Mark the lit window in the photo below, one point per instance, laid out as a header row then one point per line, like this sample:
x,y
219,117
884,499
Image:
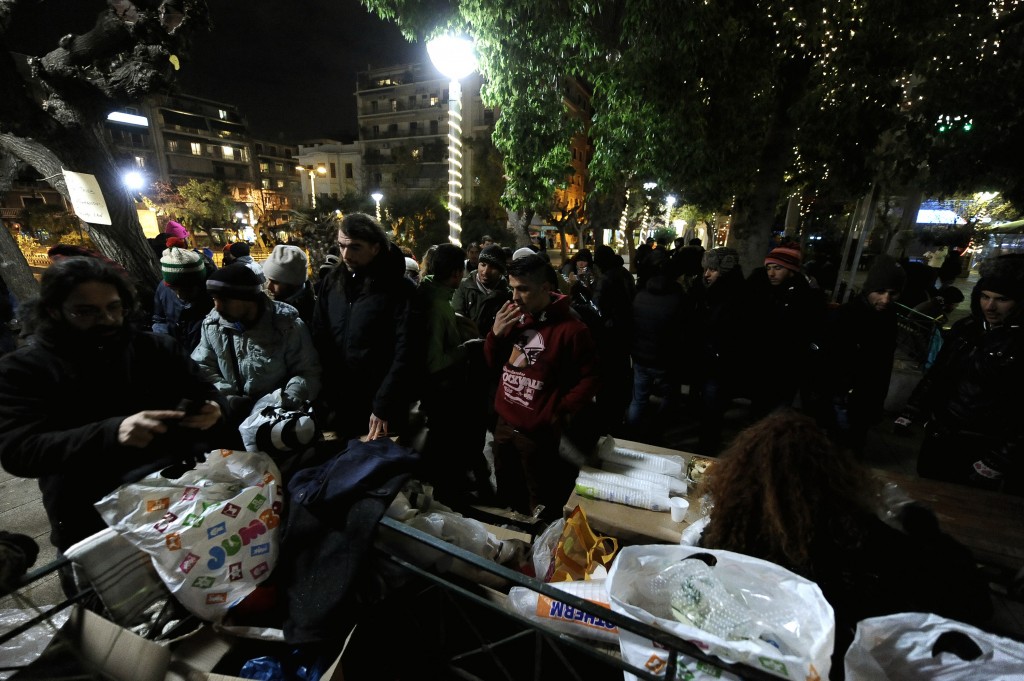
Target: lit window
x,y
279,167
197,149
140,161
265,183
416,154
280,184
434,100
172,145
227,152
223,114
264,167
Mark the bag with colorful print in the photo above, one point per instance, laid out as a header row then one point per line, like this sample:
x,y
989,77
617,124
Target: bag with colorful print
x,y
212,534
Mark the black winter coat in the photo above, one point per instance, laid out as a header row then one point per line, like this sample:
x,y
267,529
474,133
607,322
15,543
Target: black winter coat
x,y
61,405
661,315
361,328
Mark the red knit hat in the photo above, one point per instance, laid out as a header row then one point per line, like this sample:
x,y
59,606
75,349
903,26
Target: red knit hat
x,y
785,256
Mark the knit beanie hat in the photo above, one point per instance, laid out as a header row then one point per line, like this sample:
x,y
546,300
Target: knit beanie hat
x,y
235,281
176,229
286,264
1003,274
885,275
785,256
411,266
722,259
182,266
494,255
239,249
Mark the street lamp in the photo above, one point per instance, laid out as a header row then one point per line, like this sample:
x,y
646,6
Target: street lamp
x,y
133,180
377,196
312,181
454,58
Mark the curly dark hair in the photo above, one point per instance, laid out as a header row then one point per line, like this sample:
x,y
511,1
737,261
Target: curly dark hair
x,y
779,486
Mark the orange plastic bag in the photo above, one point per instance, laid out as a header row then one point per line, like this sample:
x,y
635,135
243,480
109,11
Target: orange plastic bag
x,y
580,552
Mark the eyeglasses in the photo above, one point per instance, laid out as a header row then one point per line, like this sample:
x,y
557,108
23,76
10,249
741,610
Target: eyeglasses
x,y
92,313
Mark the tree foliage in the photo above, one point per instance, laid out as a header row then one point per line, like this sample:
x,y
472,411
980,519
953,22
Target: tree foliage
x,y
744,104
55,105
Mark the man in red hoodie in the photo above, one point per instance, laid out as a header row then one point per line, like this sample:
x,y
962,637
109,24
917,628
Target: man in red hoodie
x,y
548,374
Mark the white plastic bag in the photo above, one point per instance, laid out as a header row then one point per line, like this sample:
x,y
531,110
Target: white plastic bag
x,y
796,644
920,646
212,534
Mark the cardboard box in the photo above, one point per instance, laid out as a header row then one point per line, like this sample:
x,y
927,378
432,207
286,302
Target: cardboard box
x,y
632,525
99,646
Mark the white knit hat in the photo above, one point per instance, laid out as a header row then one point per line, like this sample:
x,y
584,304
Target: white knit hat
x,y
286,264
523,252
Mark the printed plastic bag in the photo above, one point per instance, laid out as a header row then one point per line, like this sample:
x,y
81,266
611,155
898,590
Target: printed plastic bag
x,y
279,431
562,617
212,534
742,610
580,553
917,645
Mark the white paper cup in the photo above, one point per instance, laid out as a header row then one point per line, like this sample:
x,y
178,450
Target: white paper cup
x,y
678,507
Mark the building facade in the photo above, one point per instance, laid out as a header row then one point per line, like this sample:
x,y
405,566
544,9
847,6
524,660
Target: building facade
x,y
402,111
330,167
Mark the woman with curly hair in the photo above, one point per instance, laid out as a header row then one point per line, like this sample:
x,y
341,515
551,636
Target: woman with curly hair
x,y
784,493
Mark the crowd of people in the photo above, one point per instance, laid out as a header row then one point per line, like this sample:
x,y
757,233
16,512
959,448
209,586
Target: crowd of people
x,y
491,340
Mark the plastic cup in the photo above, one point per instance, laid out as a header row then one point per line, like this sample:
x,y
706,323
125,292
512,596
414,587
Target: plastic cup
x,y
678,506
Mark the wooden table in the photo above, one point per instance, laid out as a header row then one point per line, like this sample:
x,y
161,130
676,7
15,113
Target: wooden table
x,y
990,524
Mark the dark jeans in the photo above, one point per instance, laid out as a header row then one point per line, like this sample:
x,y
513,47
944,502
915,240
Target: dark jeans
x,y
530,471
649,381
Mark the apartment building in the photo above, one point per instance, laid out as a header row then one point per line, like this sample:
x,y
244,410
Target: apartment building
x,y
402,111
279,188
330,168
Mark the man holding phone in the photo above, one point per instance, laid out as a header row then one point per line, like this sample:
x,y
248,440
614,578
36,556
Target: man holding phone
x,y
89,403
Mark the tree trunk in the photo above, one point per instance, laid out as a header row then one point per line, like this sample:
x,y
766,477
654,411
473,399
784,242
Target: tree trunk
x,y
15,269
519,226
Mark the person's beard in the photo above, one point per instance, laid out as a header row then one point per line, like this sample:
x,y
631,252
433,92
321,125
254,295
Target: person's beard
x,y
98,337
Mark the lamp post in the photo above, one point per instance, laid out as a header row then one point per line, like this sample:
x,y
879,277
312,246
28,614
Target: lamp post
x,y
454,58
312,181
377,196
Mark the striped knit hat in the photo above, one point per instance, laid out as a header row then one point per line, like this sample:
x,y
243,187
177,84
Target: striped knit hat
x,y
181,266
235,281
785,256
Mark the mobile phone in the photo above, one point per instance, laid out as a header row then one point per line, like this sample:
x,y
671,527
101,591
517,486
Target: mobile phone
x,y
190,407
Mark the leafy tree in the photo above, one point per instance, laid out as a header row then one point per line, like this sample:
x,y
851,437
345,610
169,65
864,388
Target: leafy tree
x,y
205,204
54,108
744,104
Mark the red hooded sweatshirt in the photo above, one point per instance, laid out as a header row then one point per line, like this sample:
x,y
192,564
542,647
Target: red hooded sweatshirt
x,y
548,367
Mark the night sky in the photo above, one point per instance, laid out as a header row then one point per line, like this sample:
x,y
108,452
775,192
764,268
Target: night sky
x,y
289,65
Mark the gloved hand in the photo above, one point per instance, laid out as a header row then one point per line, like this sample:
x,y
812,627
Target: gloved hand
x,y
290,403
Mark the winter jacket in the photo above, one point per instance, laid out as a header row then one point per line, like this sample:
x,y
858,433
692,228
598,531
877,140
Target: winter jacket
x,y
61,405
361,330
660,320
304,301
548,368
276,352
721,321
974,387
182,321
859,344
444,349
479,304
254,266
613,296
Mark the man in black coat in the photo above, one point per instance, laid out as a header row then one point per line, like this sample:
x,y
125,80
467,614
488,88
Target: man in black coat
x,y
361,328
787,315
89,403
971,398
860,345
